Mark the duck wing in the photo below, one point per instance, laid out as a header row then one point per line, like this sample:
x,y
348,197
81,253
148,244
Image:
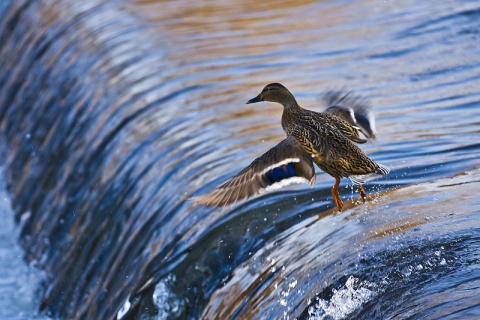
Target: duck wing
x,y
284,164
353,109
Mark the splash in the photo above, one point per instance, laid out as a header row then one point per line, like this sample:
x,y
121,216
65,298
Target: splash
x,y
19,282
165,300
344,301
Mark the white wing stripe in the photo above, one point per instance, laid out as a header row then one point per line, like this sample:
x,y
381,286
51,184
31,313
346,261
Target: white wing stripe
x,y
283,183
279,164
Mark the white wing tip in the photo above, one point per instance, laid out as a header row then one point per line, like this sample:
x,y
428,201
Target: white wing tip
x,y
383,170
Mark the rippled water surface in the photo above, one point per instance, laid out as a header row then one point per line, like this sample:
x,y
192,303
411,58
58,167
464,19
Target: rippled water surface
x,y
114,113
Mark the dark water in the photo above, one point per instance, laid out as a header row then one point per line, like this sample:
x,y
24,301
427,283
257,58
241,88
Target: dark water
x,y
114,113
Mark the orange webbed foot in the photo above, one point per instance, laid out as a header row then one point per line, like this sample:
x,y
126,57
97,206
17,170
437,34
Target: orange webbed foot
x,y
363,194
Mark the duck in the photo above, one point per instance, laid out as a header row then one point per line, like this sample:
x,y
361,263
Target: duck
x,y
327,139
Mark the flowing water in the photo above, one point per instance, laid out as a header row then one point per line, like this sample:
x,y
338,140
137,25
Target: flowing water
x,y
114,113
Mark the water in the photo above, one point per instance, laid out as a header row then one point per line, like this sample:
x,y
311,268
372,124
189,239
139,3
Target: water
x,y
18,295
115,113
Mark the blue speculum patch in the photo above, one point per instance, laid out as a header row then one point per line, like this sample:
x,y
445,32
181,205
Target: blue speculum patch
x,y
280,173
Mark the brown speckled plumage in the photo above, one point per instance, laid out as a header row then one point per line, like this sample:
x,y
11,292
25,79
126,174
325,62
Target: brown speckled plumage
x,y
327,138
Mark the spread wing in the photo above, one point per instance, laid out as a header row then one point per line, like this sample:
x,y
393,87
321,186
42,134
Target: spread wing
x,y
353,109
284,164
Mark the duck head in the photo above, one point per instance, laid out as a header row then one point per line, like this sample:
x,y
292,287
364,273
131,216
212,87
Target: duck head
x,y
275,92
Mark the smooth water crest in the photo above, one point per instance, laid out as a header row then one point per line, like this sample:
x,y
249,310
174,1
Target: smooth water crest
x,y
115,113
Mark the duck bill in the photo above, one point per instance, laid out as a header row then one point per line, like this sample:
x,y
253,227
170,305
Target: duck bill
x,y
254,100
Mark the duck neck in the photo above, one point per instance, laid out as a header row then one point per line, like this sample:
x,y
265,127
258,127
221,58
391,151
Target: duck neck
x,y
289,103
291,110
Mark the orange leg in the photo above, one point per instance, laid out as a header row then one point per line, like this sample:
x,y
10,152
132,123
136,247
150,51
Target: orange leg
x,y
336,194
363,194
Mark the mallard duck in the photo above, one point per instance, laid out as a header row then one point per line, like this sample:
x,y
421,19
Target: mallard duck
x,y
324,138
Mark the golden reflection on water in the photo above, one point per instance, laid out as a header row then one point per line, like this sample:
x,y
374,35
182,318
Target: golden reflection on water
x,y
239,28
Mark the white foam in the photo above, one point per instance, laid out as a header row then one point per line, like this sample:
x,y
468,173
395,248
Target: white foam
x,y
344,301
124,309
18,281
168,304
